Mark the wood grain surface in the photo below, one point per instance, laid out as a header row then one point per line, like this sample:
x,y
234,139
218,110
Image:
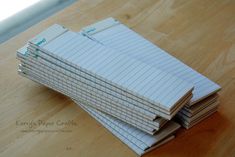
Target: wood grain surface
x,y
201,33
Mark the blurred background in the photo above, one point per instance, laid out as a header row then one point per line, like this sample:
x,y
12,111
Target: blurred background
x,y
18,15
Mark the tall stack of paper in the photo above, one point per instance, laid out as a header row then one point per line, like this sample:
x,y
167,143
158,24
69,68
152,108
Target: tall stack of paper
x,y
129,85
115,35
116,84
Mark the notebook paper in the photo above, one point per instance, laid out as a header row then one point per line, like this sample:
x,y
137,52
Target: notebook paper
x,y
124,40
39,70
117,70
32,66
45,60
155,111
116,35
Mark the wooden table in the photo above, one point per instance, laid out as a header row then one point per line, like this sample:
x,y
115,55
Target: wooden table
x,y
201,33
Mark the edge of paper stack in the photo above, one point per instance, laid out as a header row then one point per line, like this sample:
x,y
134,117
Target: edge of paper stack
x,y
132,87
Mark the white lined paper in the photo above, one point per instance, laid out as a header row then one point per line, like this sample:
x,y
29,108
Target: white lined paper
x,y
106,73
125,90
126,41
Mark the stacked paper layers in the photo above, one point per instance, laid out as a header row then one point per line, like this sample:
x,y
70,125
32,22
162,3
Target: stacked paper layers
x,y
42,67
41,71
139,141
115,35
125,82
116,84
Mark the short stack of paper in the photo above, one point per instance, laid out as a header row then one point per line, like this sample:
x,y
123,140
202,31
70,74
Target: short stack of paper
x,y
115,35
129,85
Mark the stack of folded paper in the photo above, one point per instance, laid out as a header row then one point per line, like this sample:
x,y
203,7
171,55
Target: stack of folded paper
x,y
129,85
